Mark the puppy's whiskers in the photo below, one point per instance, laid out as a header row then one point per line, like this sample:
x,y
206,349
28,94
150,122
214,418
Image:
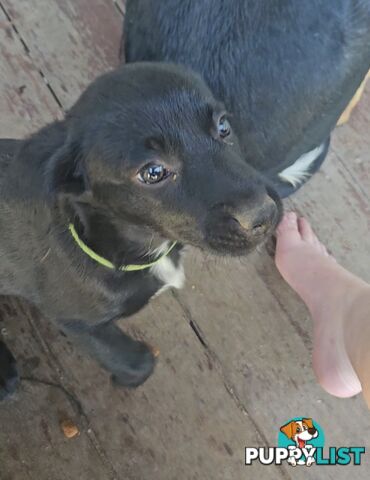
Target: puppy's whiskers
x,y
150,247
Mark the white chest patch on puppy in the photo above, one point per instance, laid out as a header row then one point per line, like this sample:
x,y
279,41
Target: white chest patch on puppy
x,y
167,272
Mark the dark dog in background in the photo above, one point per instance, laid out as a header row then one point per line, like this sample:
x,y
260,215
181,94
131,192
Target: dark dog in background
x,y
91,207
285,69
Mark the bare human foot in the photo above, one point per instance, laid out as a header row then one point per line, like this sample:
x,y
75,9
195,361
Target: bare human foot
x,y
330,293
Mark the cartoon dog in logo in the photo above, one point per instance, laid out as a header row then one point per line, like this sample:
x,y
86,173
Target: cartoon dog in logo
x,y
301,432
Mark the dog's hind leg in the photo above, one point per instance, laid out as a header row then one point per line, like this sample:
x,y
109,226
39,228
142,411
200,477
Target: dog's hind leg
x,y
9,378
130,362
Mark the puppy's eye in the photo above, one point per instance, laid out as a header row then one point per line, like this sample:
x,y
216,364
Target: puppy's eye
x,y
223,127
298,430
152,173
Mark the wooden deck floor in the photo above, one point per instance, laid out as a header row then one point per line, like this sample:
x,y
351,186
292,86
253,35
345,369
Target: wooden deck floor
x,y
235,343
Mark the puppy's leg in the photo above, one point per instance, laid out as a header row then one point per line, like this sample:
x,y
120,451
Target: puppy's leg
x,y
9,378
130,362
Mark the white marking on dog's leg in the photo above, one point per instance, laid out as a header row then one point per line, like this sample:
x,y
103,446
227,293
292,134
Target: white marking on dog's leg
x,y
298,172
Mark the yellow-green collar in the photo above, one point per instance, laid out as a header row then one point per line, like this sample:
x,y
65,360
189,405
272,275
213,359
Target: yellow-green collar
x,y
106,263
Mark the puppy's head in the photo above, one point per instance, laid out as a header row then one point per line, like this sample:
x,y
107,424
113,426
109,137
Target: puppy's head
x,y
150,144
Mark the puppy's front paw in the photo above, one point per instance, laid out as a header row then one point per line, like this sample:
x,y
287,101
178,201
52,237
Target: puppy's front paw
x,y
9,378
138,367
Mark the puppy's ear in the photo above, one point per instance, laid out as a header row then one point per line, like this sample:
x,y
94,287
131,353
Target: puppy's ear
x,y
288,429
66,171
308,422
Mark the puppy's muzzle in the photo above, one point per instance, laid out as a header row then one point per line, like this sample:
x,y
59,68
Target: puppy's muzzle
x,y
237,229
258,223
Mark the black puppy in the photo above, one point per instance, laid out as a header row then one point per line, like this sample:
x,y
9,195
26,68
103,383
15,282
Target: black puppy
x,y
94,210
285,69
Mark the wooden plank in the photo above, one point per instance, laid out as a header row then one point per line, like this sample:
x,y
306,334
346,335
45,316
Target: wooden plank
x,y
121,4
352,144
183,423
340,213
25,101
70,42
266,361
259,332
32,445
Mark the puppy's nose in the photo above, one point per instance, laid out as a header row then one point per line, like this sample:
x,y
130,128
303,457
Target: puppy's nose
x,y
312,431
260,220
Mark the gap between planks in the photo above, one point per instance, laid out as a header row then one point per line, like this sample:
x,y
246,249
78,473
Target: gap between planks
x,y
211,354
29,55
120,6
68,391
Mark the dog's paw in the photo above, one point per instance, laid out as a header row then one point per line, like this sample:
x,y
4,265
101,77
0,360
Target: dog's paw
x,y
138,369
9,378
